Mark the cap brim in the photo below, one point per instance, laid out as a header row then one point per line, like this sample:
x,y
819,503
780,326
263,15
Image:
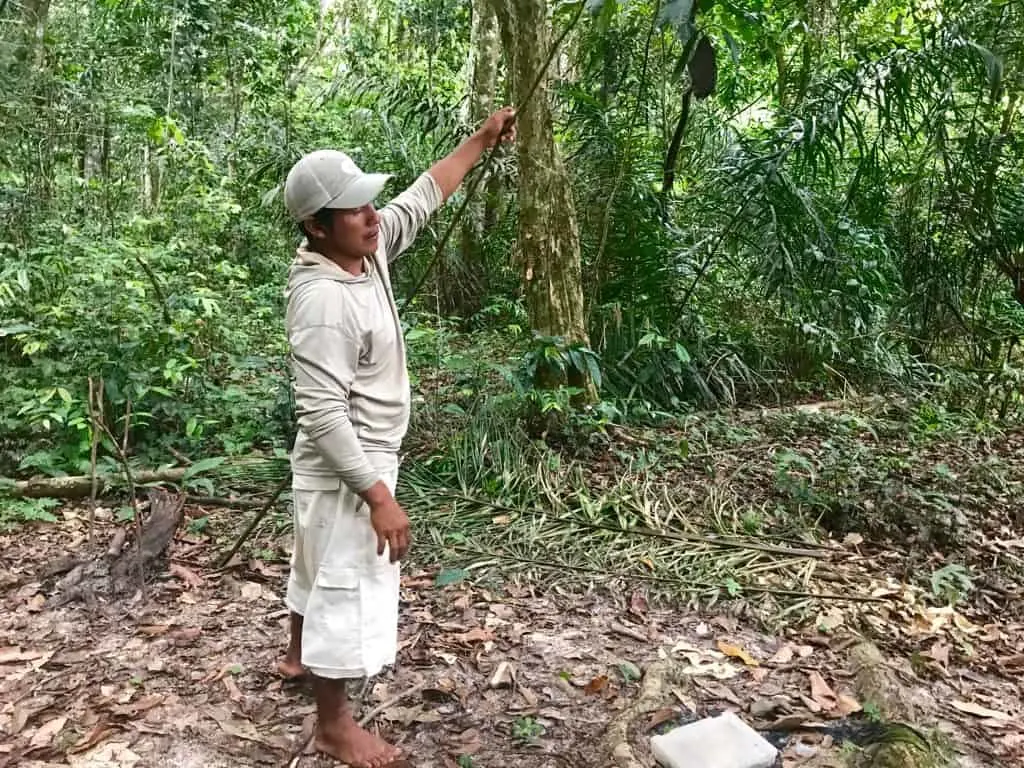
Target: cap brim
x,y
360,192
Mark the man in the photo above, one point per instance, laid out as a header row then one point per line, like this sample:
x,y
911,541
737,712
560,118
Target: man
x,y
352,403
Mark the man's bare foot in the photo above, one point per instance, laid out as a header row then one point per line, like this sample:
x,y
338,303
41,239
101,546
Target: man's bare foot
x,y
290,669
347,742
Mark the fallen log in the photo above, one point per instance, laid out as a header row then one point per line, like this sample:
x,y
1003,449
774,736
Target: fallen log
x,y
80,486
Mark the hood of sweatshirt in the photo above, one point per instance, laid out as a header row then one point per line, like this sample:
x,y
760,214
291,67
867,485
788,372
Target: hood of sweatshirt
x,y
308,266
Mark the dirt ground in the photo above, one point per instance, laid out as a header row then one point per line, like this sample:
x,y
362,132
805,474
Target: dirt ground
x,y
511,675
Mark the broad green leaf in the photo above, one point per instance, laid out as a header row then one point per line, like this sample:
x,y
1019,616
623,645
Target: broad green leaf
x,y
204,465
448,576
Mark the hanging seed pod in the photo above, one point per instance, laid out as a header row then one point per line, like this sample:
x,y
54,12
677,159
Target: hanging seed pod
x,y
703,69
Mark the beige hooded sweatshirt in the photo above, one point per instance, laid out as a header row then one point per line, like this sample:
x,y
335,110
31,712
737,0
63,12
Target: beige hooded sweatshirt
x,y
348,354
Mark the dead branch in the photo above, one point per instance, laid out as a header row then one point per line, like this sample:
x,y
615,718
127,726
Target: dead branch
x,y
255,521
95,416
79,486
223,501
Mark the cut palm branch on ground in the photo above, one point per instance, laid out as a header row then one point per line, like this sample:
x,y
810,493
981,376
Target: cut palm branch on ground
x,y
505,506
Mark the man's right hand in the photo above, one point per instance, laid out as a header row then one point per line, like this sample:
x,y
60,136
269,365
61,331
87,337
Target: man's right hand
x,y
391,525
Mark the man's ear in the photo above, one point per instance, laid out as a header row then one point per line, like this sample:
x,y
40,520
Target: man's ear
x,y
314,230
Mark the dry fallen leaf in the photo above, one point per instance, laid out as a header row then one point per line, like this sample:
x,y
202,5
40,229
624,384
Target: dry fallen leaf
x,y
662,716
13,653
638,604
36,604
737,652
847,705
475,635
596,685
830,620
977,710
759,674
109,755
251,591
504,676
940,653
99,732
784,655
821,693
187,575
46,733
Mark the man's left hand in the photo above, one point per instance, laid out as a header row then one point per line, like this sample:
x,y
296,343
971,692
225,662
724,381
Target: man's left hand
x,y
499,127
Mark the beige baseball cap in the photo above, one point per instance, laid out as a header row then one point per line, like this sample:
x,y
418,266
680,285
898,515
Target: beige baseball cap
x,y
327,178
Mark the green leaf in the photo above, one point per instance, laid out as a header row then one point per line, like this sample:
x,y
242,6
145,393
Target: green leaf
x,y
448,576
204,465
594,369
993,67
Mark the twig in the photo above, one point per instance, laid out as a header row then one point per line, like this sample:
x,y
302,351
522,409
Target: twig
x,y
363,721
223,501
688,585
179,455
636,634
255,521
95,406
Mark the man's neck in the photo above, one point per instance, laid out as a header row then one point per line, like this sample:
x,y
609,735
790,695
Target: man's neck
x,y
354,265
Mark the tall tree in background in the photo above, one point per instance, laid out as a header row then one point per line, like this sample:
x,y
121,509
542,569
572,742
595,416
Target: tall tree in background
x,y
549,240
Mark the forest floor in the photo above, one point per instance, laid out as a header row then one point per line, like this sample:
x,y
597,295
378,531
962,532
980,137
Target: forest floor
x,y
514,671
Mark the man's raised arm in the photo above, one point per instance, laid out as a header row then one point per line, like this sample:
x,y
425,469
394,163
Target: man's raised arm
x,y
403,218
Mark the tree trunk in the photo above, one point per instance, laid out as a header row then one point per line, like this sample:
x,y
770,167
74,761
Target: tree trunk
x,y
462,278
549,241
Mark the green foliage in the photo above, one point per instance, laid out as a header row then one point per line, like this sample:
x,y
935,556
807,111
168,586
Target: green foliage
x,y
14,512
951,583
844,213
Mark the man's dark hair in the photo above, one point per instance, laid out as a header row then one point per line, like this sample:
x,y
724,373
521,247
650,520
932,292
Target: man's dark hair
x,y
324,217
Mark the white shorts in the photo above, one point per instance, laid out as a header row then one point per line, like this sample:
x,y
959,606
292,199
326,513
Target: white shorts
x,y
347,595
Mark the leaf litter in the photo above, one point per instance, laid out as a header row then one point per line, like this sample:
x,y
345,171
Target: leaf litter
x,y
187,678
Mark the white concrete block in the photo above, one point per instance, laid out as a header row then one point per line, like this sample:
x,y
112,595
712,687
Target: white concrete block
x,y
715,742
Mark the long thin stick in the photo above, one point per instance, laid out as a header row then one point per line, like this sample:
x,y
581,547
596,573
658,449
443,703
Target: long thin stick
x,y
95,406
255,521
487,161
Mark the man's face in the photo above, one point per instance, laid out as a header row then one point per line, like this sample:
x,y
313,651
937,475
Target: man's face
x,y
353,232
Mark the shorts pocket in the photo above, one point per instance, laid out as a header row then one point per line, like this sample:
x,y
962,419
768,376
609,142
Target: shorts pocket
x,y
339,578
315,482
